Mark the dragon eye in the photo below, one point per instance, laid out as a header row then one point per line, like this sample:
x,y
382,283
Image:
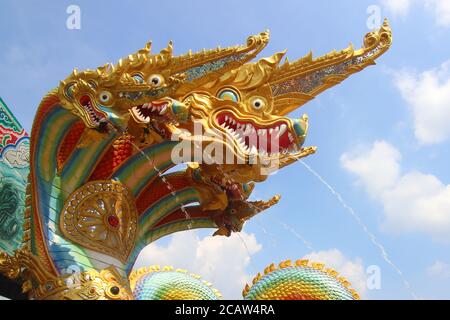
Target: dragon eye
x,y
69,90
228,95
257,103
105,97
138,78
156,80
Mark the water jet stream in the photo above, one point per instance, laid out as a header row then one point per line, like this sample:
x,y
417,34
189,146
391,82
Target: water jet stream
x,y
366,230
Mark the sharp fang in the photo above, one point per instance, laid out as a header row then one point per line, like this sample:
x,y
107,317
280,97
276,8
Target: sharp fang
x,y
164,110
291,138
282,130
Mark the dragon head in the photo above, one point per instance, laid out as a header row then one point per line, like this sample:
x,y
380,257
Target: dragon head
x,y
237,213
240,108
142,84
244,112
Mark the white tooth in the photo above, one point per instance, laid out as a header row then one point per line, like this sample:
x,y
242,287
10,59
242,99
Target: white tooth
x,y
253,130
254,150
164,110
226,118
282,129
153,108
271,131
248,129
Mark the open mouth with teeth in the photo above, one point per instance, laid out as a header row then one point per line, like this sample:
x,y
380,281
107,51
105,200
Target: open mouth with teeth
x,y
253,138
95,116
148,111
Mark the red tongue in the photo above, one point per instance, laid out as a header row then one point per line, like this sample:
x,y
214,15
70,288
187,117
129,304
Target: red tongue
x,y
84,100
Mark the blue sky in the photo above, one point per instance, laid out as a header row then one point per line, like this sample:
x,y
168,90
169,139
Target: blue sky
x,y
382,134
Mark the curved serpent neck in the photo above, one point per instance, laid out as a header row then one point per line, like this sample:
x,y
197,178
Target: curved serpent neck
x,y
84,186
53,181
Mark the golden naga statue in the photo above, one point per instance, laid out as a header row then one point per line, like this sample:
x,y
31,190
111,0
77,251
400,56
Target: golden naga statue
x,y
102,142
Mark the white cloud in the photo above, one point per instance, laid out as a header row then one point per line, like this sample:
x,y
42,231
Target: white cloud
x,y
221,261
397,7
428,95
440,9
439,270
352,270
412,201
377,168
